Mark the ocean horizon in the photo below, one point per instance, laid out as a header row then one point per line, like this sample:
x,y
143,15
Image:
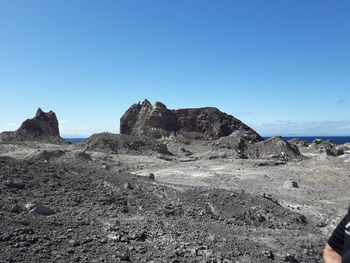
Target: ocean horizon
x,y
334,139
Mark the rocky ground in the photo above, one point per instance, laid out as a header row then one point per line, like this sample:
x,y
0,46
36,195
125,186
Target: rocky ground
x,y
79,203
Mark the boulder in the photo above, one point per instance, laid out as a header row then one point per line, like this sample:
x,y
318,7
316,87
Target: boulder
x,y
124,144
43,127
157,121
38,208
290,184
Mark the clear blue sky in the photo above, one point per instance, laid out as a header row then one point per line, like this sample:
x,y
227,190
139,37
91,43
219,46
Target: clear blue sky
x,y
281,66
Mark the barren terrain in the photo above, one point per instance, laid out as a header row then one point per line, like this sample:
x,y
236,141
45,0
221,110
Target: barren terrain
x,y
201,206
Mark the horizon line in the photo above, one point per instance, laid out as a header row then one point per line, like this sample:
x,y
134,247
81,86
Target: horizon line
x,y
66,136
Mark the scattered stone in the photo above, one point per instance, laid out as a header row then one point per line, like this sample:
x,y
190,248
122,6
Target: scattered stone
x,y
151,176
13,208
128,186
290,184
38,208
268,254
15,184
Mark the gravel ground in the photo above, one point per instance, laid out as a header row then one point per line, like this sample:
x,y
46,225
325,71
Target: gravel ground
x,y
103,207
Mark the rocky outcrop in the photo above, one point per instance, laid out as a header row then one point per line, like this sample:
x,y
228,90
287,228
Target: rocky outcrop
x,y
238,143
246,146
274,148
326,147
158,121
43,127
124,144
297,142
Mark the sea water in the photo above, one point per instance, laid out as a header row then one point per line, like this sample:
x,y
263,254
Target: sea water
x,y
309,139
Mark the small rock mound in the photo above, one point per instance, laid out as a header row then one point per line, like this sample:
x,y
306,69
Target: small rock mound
x,y
38,208
124,144
327,147
157,121
247,146
43,127
274,148
239,142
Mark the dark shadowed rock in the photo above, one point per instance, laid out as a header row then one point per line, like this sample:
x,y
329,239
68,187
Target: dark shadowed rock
x,y
124,144
197,123
43,127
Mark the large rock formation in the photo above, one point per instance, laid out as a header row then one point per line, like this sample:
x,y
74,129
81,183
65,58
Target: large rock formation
x,y
43,127
197,123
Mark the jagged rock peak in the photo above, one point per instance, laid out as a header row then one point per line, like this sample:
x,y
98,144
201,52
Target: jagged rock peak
x,y
39,112
43,127
146,103
158,121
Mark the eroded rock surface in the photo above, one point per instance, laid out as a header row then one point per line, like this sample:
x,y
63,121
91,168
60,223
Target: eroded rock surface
x,y
158,121
43,127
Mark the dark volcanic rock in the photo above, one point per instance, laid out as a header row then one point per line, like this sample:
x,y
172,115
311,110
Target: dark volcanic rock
x,y
124,144
43,127
198,123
